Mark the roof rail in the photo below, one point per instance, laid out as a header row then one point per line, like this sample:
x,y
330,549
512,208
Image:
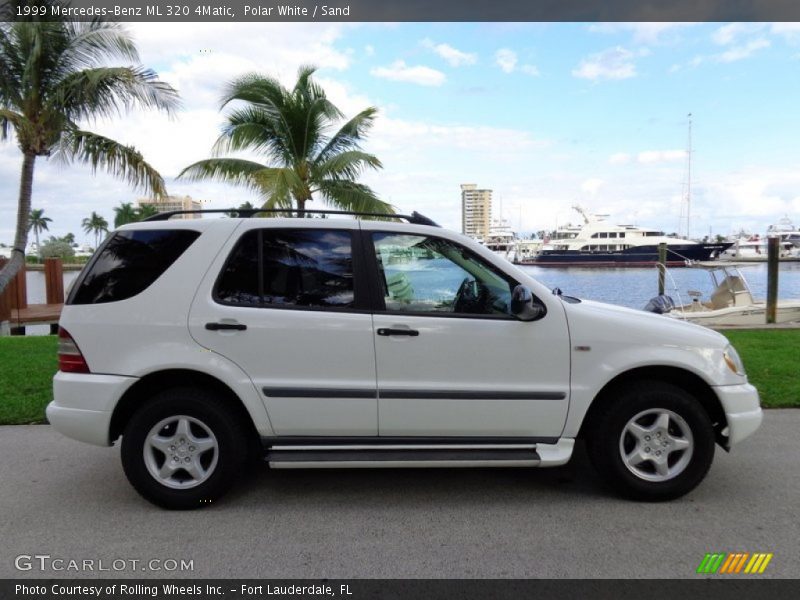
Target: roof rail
x,y
414,218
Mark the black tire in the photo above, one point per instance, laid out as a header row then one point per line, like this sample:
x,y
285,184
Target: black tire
x,y
211,423
651,399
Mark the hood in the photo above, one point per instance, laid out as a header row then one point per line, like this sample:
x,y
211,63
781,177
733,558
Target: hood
x,y
590,320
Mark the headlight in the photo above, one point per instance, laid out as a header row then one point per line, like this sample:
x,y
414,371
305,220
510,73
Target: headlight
x,y
733,361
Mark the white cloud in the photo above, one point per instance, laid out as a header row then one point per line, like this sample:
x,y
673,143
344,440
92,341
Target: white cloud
x,y
744,51
620,158
789,31
369,50
643,33
592,186
453,56
730,33
506,59
614,63
658,156
420,75
531,70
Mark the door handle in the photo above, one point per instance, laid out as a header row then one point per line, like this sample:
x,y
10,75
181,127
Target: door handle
x,y
225,326
389,331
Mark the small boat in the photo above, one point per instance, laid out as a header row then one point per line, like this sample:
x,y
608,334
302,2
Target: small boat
x,y
753,248
730,302
599,244
526,250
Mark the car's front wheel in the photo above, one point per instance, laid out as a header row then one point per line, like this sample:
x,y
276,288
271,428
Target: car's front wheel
x,y
652,441
183,449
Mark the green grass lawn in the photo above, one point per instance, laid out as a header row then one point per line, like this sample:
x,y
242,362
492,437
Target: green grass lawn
x,y
27,366
771,359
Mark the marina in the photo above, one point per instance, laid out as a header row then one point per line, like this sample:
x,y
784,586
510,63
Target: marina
x,y
630,287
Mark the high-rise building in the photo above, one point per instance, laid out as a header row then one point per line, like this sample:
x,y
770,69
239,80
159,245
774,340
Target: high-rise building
x,y
168,203
476,210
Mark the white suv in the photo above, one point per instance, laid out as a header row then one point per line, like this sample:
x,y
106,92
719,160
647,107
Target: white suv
x,y
355,343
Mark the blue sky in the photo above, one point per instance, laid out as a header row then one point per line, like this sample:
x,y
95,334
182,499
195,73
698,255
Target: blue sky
x,y
546,115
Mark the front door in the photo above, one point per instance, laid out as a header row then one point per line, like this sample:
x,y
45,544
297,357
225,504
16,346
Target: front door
x,y
284,306
451,359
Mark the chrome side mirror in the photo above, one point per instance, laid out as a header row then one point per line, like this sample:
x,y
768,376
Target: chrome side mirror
x,y
522,305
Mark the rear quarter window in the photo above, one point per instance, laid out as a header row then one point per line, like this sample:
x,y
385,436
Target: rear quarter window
x,y
128,263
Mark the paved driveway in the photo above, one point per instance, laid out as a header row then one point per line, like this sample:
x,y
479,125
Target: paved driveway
x,y
71,501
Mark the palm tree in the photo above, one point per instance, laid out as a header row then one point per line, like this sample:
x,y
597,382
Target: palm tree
x,y
125,213
244,206
96,225
37,223
290,128
56,74
145,211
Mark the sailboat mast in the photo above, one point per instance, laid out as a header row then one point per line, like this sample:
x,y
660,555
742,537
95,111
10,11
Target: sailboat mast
x,y
689,180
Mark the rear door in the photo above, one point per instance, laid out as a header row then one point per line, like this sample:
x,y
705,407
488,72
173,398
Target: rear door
x,y
284,303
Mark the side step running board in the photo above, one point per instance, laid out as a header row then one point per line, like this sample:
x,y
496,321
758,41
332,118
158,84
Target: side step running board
x,y
380,454
456,455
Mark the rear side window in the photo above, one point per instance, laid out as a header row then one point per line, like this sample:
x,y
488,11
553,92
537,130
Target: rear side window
x,y
129,262
290,268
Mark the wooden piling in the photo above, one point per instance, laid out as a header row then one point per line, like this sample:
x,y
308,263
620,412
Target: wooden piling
x,y
662,269
5,305
54,285
773,253
18,297
54,280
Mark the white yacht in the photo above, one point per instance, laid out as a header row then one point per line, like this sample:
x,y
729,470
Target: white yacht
x,y
501,240
786,231
598,243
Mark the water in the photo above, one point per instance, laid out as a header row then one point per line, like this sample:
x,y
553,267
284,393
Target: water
x,y
625,287
634,287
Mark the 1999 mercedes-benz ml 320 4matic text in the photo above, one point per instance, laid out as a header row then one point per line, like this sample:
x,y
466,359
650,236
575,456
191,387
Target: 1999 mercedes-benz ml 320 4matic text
x,y
347,342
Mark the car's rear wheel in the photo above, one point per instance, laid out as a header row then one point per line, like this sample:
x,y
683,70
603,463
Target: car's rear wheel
x,y
652,441
183,449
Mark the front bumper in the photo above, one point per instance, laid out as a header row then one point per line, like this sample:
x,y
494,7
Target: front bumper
x,y
83,405
742,410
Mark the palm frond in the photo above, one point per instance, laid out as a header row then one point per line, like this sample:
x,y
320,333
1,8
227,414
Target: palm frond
x,y
254,128
352,196
93,42
346,165
237,171
117,159
106,91
9,119
349,134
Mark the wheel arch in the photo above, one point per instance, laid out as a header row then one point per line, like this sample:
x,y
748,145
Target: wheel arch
x,y
159,381
682,378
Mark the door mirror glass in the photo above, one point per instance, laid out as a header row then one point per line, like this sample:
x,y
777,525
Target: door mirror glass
x,y
522,305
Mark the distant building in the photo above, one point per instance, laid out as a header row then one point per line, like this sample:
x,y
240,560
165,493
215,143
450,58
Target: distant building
x,y
168,203
476,210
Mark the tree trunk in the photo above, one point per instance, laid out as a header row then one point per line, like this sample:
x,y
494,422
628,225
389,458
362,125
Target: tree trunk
x,y
23,214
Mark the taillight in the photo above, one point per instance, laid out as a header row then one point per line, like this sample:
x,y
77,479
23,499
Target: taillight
x,y
70,359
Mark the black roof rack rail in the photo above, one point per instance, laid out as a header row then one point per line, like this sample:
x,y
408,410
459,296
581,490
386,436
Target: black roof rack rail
x,y
414,218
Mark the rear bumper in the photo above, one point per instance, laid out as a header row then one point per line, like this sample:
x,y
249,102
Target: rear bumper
x,y
83,405
742,410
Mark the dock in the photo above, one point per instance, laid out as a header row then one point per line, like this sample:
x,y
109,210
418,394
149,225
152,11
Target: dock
x,y
15,312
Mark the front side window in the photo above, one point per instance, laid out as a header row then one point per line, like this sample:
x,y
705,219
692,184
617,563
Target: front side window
x,y
421,274
304,268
